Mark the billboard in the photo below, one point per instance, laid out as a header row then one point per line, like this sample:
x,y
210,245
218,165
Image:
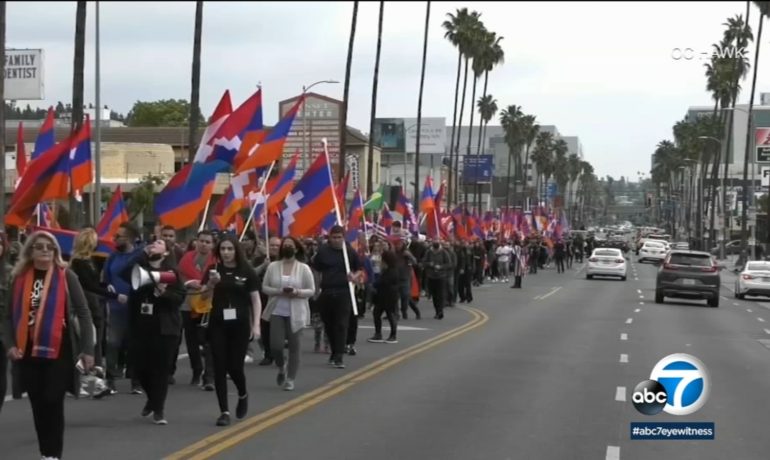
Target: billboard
x,y
762,144
477,169
23,73
400,134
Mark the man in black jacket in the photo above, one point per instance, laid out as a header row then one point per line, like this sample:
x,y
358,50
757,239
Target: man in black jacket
x,y
436,264
335,302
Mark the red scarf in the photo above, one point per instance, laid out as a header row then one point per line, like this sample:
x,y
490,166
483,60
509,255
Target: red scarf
x,y
189,270
48,329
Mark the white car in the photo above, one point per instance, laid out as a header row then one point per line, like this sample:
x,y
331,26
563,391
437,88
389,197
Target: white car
x,y
653,250
606,262
753,280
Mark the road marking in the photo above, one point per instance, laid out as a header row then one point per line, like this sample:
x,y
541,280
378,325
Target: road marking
x,y
620,394
623,358
636,279
400,328
625,336
537,298
735,304
749,310
760,320
217,443
767,331
639,291
641,296
637,310
550,293
613,453
629,320
641,303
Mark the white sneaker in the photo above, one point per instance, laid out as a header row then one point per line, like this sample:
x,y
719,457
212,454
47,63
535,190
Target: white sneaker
x,y
248,359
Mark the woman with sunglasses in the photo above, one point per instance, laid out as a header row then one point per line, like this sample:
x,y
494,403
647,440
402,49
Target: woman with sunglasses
x,y
289,283
232,286
48,312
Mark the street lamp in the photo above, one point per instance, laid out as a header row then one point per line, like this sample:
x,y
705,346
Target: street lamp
x,y
724,205
305,154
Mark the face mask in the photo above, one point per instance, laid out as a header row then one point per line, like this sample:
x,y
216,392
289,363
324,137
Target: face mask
x,y
155,257
287,252
435,245
121,247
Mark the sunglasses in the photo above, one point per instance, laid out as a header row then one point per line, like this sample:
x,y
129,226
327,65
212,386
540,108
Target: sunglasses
x,y
43,247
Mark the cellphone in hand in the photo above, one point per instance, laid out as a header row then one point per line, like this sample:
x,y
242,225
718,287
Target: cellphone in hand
x,y
288,289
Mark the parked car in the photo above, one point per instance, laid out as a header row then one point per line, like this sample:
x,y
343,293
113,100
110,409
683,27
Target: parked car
x,y
654,251
733,248
688,275
754,280
606,262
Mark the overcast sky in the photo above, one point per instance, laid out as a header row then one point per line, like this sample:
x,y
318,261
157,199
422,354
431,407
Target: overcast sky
x,y
603,72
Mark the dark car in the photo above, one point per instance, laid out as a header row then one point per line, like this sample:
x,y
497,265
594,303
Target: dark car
x,y
688,275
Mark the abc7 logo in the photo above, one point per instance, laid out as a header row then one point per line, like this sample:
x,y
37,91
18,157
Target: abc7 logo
x,y
679,385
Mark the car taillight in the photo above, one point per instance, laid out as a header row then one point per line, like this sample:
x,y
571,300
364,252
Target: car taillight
x,y
747,277
711,269
593,259
619,261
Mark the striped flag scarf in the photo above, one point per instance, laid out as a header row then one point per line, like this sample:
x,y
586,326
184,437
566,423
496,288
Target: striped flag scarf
x,y
47,332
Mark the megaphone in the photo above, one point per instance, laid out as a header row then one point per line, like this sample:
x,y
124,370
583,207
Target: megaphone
x,y
141,277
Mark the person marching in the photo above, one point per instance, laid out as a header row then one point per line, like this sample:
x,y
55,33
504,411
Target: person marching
x,y
234,321
47,329
387,292
519,256
289,283
156,323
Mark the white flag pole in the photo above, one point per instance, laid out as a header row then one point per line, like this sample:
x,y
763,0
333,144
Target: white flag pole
x,y
205,215
339,220
254,208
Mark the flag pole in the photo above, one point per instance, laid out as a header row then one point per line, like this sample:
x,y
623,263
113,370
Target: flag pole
x,y
363,222
339,220
254,208
205,215
265,225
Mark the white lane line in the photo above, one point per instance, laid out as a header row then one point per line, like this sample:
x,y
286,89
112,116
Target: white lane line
x,y
641,297
749,310
537,298
639,291
725,298
641,303
735,304
629,320
636,279
625,336
623,358
613,453
760,320
767,331
550,293
620,394
637,310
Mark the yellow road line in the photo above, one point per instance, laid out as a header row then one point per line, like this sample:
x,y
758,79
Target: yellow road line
x,y
219,442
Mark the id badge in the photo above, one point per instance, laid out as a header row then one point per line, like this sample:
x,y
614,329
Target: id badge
x,y
229,314
147,309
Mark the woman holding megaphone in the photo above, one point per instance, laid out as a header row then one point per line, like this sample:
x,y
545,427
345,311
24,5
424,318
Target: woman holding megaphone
x,y
155,324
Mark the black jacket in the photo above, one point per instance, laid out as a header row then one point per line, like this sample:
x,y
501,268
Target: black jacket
x,y
166,319
387,288
92,287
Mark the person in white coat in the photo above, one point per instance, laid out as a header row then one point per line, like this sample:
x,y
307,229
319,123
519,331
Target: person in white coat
x,y
289,284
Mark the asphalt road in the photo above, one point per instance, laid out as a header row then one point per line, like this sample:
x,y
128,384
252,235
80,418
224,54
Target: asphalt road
x,y
545,372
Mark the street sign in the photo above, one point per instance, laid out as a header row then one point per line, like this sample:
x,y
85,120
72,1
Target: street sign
x,y
477,169
765,176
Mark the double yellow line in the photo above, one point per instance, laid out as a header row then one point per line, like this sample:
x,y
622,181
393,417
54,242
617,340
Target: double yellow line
x,y
219,442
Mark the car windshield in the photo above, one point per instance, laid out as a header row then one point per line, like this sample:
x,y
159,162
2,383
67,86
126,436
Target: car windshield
x,y
607,253
653,245
694,260
761,266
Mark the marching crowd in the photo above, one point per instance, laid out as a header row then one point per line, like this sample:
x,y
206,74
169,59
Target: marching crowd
x,y
77,323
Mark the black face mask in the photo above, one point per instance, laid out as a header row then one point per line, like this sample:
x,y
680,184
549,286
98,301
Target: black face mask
x,y
435,246
155,257
287,252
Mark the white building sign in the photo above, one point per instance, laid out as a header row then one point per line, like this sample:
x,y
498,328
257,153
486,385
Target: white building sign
x,y
23,74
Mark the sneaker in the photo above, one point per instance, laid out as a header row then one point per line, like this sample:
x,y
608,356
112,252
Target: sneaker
x,y
289,385
224,419
136,390
243,406
248,360
159,419
147,410
196,380
339,364
208,387
376,339
266,361
351,350
391,340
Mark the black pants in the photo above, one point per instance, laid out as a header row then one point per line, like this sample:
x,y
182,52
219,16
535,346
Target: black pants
x,y
437,290
3,375
229,341
336,311
45,382
352,334
464,288
264,336
194,337
390,311
559,264
151,355
407,302
101,330
517,281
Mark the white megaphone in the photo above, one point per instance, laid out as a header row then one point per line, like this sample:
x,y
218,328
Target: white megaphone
x,y
141,277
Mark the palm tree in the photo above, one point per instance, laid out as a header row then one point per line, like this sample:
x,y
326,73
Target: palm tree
x,y
559,165
493,55
346,91
573,171
196,82
529,130
370,157
457,31
510,120
764,10
419,108
541,157
77,91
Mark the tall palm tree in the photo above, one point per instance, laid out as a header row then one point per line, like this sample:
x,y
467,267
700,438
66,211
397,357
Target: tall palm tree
x,y
541,157
510,120
530,130
346,92
419,107
559,165
487,106
457,28
573,170
370,157
493,56
77,93
764,11
196,82
478,54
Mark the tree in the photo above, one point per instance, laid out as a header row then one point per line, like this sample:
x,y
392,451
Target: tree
x,y
530,130
573,170
143,196
419,108
510,120
346,91
370,158
166,113
195,111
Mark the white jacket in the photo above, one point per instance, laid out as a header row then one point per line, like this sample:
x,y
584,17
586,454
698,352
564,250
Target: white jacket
x,y
302,278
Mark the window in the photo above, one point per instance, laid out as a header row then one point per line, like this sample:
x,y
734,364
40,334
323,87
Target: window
x,y
692,260
758,266
607,253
